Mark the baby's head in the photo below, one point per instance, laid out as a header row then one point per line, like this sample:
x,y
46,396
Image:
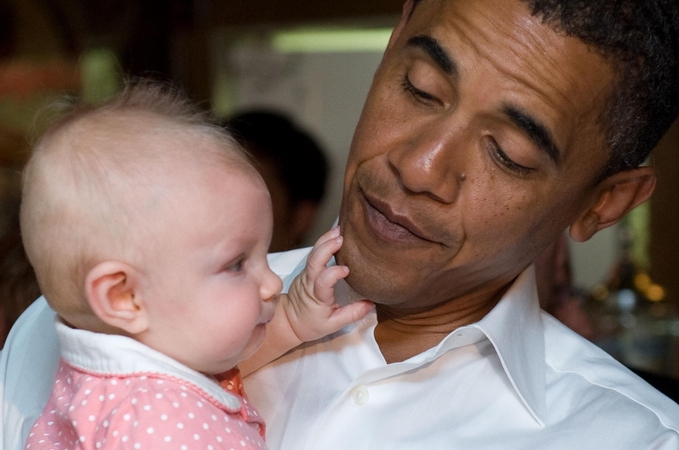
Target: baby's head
x,y
141,218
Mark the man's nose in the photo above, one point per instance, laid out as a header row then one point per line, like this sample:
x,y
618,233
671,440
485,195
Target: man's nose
x,y
433,161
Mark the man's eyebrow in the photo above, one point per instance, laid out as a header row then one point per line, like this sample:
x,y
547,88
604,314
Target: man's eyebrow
x,y
434,50
535,130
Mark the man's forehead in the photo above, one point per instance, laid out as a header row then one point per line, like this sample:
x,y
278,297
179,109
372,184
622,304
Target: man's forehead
x,y
563,85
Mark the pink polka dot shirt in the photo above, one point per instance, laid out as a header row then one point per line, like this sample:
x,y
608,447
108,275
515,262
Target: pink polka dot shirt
x,y
113,392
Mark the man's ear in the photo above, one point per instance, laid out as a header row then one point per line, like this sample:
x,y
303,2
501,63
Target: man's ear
x,y
614,198
405,15
113,292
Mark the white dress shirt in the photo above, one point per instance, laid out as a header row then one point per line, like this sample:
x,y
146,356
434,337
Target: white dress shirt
x,y
517,379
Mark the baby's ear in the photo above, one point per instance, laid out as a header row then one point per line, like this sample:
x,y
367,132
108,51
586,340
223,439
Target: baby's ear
x,y
113,292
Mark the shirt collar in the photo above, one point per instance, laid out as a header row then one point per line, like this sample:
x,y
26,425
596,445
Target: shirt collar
x,y
515,330
514,327
113,355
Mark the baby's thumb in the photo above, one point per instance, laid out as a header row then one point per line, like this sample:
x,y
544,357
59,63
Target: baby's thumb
x,y
351,313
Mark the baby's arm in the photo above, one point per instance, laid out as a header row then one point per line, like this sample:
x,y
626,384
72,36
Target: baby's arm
x,y
309,311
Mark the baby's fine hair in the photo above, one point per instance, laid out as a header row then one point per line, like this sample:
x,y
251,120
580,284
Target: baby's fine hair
x,y
95,178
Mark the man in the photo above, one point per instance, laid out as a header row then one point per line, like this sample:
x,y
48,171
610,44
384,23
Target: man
x,y
491,126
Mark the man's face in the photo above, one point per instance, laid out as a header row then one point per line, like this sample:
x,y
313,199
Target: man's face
x,y
478,144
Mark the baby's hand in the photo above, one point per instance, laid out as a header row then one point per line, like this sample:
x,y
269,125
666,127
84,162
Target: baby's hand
x,y
310,304
309,311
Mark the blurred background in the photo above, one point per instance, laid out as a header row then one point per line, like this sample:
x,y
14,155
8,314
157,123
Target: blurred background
x,y
302,69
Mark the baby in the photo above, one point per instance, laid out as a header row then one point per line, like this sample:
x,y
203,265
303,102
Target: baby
x,y
148,229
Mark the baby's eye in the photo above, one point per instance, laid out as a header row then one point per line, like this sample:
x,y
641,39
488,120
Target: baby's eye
x,y
237,265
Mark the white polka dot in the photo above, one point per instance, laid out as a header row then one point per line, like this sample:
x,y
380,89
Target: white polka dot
x,y
159,395
84,402
91,418
88,391
126,417
214,417
183,394
242,443
101,398
124,439
137,445
200,404
175,404
114,381
111,396
196,436
98,445
105,423
82,438
115,433
191,415
167,439
133,401
180,425
205,426
163,417
184,447
149,430
147,407
219,439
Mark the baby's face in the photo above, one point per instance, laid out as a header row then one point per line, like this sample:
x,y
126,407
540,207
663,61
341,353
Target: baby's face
x,y
211,289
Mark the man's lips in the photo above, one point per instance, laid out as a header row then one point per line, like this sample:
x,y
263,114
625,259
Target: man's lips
x,y
392,225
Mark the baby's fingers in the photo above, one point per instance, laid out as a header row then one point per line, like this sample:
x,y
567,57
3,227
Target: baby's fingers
x,y
349,314
326,246
324,287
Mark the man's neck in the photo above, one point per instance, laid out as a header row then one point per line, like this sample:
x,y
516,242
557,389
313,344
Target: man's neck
x,y
402,335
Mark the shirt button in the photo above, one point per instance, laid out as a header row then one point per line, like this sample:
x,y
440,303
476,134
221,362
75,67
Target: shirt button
x,y
360,395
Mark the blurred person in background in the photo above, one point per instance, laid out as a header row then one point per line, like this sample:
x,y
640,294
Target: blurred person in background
x,y
294,168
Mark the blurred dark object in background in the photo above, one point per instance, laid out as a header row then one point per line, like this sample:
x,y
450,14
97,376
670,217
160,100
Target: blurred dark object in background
x,y
18,285
294,169
555,288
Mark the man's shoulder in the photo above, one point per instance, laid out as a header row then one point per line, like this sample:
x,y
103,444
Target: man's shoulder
x,y
602,382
